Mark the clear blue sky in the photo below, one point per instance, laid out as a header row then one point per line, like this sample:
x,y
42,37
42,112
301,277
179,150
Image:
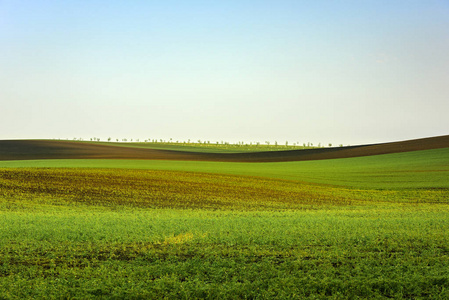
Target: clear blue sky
x,y
346,72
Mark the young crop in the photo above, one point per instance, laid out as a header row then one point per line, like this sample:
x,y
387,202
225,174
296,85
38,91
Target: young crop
x,y
357,229
97,252
187,190
162,189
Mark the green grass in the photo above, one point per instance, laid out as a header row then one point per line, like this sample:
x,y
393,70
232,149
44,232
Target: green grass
x,y
359,228
408,170
186,190
89,252
205,147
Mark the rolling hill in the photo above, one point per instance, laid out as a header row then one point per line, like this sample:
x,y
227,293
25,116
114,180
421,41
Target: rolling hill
x,y
59,149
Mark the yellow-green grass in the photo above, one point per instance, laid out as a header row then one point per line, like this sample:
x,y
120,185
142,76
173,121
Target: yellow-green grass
x,y
409,170
161,189
368,227
83,252
206,147
187,190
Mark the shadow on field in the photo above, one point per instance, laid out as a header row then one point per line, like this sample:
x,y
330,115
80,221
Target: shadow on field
x,y
57,149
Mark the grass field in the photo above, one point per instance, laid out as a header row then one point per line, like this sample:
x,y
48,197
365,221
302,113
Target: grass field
x,y
363,227
88,252
417,169
207,147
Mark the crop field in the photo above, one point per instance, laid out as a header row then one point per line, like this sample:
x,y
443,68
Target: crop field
x,y
425,169
208,147
360,227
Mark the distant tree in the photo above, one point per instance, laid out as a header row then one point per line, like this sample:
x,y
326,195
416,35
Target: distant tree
x,y
330,145
275,143
267,142
286,143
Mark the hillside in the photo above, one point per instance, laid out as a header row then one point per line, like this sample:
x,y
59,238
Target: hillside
x,y
56,149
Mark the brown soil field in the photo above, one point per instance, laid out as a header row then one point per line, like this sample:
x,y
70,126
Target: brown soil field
x,y
57,149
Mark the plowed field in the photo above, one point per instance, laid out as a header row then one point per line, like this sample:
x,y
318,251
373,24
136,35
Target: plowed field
x,y
52,149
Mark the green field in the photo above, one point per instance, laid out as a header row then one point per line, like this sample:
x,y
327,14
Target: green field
x,y
417,169
366,227
206,146
87,252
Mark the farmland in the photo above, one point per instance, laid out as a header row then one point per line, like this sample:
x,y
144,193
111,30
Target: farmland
x,y
208,147
361,226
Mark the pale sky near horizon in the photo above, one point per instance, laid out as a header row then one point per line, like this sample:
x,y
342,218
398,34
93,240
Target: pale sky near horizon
x,y
349,72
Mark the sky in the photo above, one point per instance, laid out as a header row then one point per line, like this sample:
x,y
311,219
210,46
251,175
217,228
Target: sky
x,y
341,72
